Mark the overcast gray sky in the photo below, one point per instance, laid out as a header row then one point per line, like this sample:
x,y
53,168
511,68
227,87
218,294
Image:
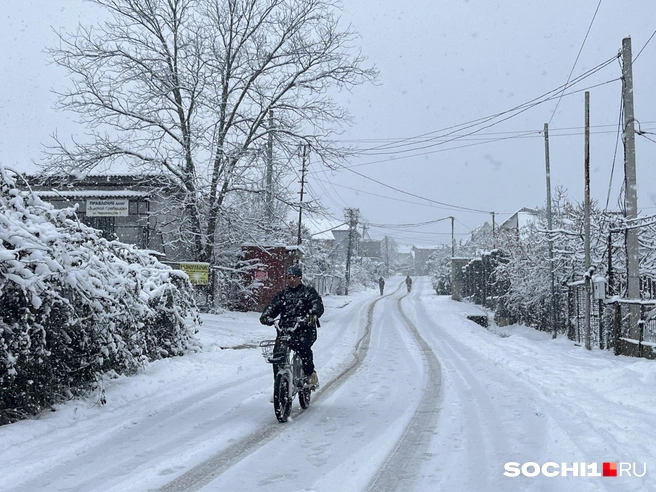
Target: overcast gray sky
x,y
445,63
442,64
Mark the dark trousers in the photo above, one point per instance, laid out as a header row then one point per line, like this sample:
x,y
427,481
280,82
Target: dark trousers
x,y
301,343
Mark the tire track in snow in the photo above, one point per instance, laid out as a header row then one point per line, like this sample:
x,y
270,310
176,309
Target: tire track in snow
x,y
401,467
477,417
480,415
497,431
96,449
205,472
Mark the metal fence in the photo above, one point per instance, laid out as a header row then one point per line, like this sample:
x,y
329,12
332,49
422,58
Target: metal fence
x,y
328,284
610,318
609,323
601,318
478,282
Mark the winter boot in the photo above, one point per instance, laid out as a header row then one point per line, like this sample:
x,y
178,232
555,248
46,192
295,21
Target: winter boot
x,y
313,380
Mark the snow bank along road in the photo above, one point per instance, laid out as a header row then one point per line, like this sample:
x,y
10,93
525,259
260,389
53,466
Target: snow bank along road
x,y
413,397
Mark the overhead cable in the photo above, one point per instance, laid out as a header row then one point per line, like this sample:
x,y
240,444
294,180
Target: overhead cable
x,y
577,57
439,140
430,136
450,206
642,49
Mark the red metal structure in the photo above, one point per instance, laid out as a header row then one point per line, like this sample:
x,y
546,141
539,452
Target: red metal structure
x,y
264,270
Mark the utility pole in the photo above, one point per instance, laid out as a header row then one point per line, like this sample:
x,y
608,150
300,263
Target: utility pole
x,y
587,221
554,327
352,215
269,171
300,205
494,231
630,190
453,237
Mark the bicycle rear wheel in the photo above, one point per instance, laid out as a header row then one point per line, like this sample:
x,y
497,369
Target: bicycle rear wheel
x,y
304,397
282,403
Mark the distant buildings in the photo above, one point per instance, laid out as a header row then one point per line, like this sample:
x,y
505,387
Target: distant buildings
x,y
421,256
371,248
519,219
140,210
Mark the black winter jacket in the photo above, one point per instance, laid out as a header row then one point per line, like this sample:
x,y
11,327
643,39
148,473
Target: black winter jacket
x,y
292,305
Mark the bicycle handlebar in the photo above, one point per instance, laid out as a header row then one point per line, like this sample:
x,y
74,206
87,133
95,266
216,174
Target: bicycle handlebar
x,y
298,322
283,331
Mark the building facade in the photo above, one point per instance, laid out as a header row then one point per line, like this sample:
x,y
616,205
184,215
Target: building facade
x,y
134,209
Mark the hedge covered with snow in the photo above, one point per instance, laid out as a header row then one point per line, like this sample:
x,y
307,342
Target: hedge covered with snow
x,y
74,306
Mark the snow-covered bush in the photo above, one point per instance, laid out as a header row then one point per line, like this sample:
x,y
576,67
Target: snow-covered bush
x,y
365,273
74,306
527,267
439,268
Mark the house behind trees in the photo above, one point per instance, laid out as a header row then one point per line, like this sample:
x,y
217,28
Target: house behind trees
x,y
135,209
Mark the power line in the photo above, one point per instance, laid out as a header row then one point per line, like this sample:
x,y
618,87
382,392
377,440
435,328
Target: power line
x,y
423,138
577,57
386,197
529,134
645,136
452,136
327,230
418,224
517,133
450,206
650,38
617,141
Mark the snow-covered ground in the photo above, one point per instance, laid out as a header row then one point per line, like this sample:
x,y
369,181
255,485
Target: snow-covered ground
x,y
413,397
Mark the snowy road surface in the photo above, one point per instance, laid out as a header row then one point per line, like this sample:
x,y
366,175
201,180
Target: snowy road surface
x,y
413,397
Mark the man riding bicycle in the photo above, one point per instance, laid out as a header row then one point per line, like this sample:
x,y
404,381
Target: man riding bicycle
x,y
297,304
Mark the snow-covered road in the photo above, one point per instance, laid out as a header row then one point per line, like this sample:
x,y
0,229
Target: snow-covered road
x,y
413,397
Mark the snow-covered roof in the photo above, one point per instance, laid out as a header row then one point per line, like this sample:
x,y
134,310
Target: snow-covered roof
x,y
265,246
520,219
321,227
92,194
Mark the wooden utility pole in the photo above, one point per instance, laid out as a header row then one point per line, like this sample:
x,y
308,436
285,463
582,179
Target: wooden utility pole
x,y
630,190
300,205
352,215
588,344
554,327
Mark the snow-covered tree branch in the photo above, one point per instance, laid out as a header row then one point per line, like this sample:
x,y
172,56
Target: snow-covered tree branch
x,y
189,89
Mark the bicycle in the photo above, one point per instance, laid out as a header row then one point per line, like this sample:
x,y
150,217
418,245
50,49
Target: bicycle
x,y
290,379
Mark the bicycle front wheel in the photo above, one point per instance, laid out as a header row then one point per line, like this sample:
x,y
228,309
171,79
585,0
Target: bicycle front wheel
x,y
282,403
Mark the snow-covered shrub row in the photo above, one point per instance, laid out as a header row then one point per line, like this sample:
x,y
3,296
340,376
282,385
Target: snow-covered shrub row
x,y
439,270
74,306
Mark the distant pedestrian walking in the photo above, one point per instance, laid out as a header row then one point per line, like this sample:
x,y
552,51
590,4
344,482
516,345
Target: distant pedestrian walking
x,y
381,284
408,283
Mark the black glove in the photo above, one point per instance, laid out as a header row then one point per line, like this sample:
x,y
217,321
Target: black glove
x,y
265,320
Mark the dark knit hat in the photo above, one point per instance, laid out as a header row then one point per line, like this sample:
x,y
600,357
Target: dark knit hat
x,y
295,270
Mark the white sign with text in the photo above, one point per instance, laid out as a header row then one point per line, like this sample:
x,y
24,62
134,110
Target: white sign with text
x,y
107,208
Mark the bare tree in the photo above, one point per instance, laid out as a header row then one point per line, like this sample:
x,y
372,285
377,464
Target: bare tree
x,y
187,88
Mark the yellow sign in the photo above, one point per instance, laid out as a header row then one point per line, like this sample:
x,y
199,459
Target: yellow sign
x,y
199,273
